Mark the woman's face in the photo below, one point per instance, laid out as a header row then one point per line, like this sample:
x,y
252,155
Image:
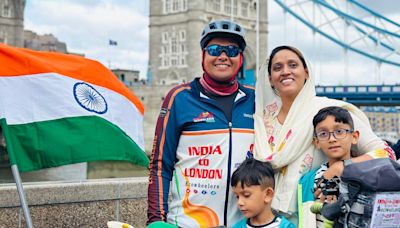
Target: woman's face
x,y
222,67
288,74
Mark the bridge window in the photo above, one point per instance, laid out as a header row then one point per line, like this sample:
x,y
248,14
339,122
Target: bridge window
x,y
6,9
329,89
362,89
174,6
396,89
182,35
372,89
320,89
339,89
385,88
227,6
216,5
3,37
351,89
173,49
244,9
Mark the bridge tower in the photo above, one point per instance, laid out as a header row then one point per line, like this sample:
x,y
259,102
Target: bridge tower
x,y
175,28
12,22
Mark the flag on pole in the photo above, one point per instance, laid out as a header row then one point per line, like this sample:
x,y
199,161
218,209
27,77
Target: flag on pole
x,y
112,42
58,109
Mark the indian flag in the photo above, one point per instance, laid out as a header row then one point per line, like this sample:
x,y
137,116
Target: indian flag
x,y
58,109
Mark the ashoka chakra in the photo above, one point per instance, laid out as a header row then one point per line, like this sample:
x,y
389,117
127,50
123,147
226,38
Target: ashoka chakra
x,y
89,98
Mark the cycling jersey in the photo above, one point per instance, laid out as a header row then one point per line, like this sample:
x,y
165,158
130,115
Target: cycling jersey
x,y
196,149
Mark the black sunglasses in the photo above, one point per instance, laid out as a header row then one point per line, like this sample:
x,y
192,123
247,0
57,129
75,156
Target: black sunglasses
x,y
216,50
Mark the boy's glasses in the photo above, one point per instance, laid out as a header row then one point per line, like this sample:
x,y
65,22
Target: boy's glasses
x,y
337,134
216,50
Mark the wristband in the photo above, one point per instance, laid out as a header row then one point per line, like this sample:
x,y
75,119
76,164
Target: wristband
x,y
347,162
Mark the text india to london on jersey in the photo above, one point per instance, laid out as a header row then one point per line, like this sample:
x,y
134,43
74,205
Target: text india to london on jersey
x,y
203,173
204,150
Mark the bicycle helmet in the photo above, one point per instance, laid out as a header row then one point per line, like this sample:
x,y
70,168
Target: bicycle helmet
x,y
225,29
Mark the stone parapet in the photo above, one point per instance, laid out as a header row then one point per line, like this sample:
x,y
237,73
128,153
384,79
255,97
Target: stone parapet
x,y
88,203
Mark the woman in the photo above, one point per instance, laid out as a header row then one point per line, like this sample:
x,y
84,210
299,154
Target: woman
x,y
202,132
286,102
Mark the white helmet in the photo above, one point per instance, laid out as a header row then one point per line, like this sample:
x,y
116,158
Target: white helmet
x,y
223,28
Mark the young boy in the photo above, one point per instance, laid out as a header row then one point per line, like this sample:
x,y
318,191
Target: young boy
x,y
253,184
334,135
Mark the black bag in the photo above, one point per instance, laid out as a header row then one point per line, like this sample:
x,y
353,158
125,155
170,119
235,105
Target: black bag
x,y
375,175
364,182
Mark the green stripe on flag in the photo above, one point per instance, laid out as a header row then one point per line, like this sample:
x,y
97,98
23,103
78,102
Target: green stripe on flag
x,y
65,141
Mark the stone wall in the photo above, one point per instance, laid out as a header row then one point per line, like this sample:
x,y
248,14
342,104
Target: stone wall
x,y
77,204
152,97
12,23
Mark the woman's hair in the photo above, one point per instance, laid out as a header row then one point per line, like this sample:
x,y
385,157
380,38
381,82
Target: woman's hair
x,y
253,172
280,48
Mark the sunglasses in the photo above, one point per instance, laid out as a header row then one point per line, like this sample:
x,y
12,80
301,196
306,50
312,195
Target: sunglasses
x,y
216,50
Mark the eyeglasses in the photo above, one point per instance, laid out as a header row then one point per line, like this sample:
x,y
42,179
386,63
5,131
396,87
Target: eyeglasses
x,y
337,134
216,50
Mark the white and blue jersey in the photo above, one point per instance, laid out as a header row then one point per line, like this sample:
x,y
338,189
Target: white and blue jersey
x,y
196,149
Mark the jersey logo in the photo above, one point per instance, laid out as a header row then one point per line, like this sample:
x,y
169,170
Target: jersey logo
x,y
205,117
163,112
248,115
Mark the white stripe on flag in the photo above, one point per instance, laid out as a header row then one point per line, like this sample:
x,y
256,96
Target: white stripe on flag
x,y
50,96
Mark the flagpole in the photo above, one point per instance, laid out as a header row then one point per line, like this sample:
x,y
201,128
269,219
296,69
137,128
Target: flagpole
x,y
21,193
109,54
15,172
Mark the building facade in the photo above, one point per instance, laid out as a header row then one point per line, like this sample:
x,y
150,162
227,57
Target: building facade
x,y
175,29
46,42
12,22
384,121
12,30
128,77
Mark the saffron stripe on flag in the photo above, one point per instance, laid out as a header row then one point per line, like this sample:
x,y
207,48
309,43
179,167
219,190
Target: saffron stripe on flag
x,y
19,62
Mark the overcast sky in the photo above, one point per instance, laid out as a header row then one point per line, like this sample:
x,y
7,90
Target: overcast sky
x,y
88,25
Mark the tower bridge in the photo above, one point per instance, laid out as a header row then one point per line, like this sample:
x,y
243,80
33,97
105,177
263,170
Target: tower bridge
x,y
363,95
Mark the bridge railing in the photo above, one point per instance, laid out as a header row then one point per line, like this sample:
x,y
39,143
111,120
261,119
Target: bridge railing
x,y
363,95
358,89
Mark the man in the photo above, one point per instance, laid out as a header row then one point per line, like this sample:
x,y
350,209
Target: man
x,y
204,131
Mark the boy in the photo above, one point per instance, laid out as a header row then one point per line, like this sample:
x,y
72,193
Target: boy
x,y
253,184
334,135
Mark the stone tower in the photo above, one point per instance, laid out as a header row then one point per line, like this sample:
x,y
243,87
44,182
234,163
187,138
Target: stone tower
x,y
12,22
175,28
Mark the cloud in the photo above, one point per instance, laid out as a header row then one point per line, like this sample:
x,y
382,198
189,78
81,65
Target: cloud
x,y
327,59
87,26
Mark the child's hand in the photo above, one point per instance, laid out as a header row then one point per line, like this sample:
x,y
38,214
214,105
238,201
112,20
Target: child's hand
x,y
336,169
324,199
326,191
318,191
331,199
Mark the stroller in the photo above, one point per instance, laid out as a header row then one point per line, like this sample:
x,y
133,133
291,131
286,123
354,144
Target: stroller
x,y
369,196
